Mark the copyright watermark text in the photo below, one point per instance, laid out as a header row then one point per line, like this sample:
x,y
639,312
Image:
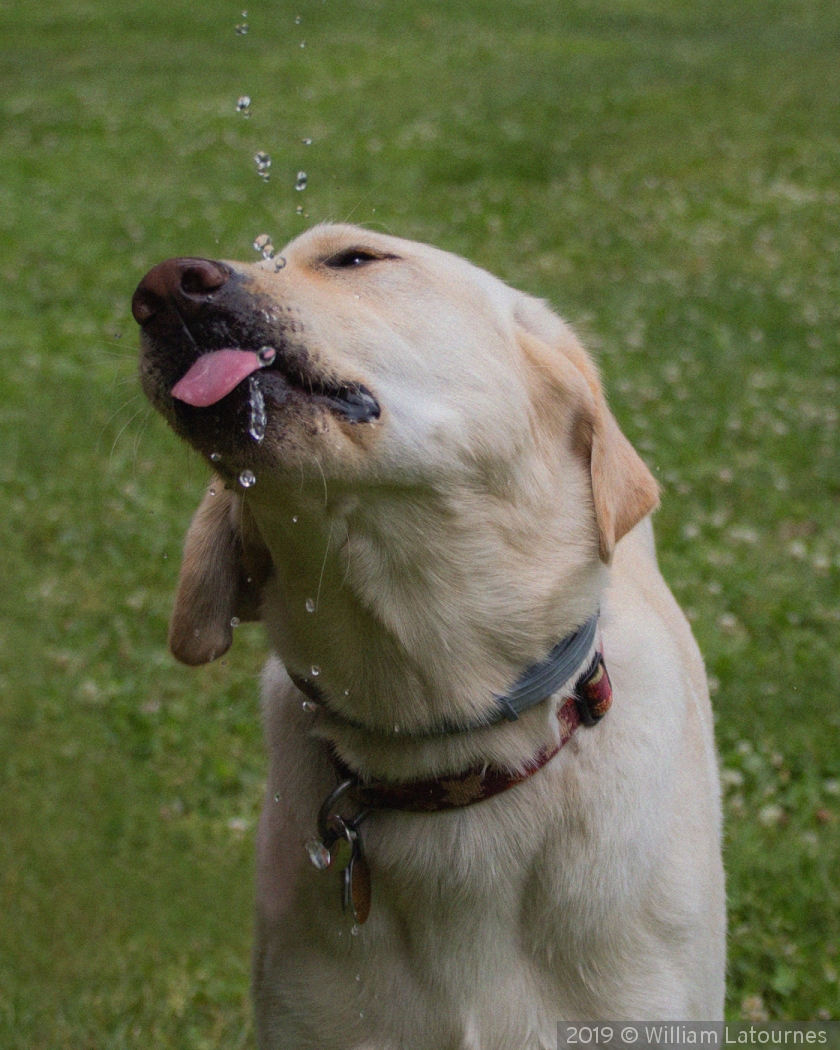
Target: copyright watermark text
x,y
652,1035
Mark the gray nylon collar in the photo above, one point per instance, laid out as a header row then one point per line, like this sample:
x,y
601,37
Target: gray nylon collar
x,y
537,684
543,679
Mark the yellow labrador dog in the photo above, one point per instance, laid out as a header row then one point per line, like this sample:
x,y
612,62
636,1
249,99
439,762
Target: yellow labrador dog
x,y
492,799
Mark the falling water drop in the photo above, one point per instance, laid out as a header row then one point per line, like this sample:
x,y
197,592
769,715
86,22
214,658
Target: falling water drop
x,y
243,105
354,932
263,163
247,478
303,43
315,670
307,142
277,797
301,181
256,405
262,244
310,605
298,20
319,855
294,519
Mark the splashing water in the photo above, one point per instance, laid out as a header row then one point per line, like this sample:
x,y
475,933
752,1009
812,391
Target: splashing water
x,y
263,163
319,855
258,418
247,479
262,244
243,105
300,183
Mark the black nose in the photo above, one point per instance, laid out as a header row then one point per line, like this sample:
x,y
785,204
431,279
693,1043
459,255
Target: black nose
x,y
184,284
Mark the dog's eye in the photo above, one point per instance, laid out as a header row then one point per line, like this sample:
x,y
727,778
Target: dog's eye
x,y
352,257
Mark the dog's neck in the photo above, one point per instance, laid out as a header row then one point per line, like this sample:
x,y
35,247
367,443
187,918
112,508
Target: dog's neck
x,y
402,634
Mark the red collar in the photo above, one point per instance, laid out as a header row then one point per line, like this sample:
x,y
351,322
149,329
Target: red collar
x,y
339,844
587,705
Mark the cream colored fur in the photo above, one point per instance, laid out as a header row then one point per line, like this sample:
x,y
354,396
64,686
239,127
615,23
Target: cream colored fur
x,y
493,508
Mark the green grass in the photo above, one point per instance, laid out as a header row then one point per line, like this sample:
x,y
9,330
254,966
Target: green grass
x,y
665,171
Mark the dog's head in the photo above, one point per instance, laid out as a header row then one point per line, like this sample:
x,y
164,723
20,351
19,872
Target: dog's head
x,y
435,419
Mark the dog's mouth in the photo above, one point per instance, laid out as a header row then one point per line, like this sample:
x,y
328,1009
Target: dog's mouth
x,y
217,373
223,364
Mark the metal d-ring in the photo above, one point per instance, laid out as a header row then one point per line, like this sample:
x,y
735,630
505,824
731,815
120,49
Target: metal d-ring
x,y
325,832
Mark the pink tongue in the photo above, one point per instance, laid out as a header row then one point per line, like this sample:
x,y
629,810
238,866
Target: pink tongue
x,y
214,375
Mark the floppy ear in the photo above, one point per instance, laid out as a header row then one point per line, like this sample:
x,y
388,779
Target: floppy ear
x,y
623,489
224,567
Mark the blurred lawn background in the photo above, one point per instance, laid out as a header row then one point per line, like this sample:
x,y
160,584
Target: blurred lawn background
x,y
664,171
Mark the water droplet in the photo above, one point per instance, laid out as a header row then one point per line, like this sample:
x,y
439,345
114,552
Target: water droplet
x,y
263,163
298,20
358,977
262,244
355,931
294,519
266,354
277,797
247,478
303,43
278,262
235,621
315,670
361,1015
396,729
299,209
258,419
346,692
307,141
211,492
310,605
301,181
242,28
243,105
244,14
319,855
309,706
215,457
